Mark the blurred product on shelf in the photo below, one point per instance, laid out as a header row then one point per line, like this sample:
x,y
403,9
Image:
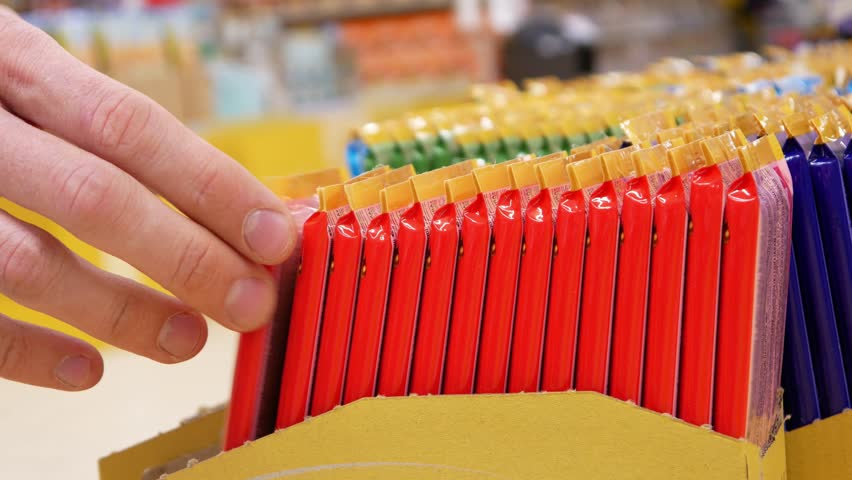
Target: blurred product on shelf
x,y
407,47
157,52
257,59
234,60
239,72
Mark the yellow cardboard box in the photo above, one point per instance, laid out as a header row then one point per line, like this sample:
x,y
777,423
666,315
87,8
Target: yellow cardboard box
x,y
197,434
821,450
538,436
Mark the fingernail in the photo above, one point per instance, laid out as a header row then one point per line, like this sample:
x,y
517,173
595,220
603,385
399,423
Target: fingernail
x,y
269,234
250,303
74,371
180,335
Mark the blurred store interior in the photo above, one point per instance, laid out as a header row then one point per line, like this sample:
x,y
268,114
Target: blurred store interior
x,y
280,85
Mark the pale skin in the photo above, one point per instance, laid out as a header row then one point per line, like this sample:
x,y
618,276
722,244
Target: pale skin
x,y
88,153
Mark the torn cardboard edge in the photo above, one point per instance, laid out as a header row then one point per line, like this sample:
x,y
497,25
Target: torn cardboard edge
x,y
182,462
536,435
192,439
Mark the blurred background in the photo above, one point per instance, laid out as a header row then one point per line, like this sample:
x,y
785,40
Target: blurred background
x,y
281,85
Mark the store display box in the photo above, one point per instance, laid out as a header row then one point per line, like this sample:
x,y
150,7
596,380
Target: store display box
x,y
470,437
196,438
821,450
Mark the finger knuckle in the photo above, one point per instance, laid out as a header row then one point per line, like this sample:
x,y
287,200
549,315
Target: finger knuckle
x,y
119,320
14,348
27,266
119,118
17,70
209,189
196,269
89,194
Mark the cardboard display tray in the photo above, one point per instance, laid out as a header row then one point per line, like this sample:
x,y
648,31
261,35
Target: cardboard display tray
x,y
476,437
821,450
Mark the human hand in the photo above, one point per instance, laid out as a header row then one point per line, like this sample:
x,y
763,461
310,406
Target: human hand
x,y
87,152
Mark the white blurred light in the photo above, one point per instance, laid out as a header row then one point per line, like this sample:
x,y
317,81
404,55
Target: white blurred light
x,y
506,15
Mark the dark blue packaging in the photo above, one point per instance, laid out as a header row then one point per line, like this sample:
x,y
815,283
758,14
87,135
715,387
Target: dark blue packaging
x,y
847,173
814,285
834,222
797,377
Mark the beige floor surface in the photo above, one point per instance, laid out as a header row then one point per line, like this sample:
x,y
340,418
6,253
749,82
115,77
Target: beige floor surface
x,y
55,435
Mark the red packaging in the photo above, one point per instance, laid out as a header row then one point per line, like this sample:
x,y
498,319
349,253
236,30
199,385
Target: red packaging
x,y
260,354
708,186
466,317
306,314
257,372
563,309
755,269
474,230
596,311
369,324
502,285
534,277
433,325
631,294
241,425
405,290
668,266
343,282
395,363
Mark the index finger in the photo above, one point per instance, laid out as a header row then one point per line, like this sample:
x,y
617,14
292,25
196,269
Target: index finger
x,y
45,85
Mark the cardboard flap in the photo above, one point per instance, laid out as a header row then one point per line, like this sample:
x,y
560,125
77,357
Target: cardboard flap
x,y
537,436
198,434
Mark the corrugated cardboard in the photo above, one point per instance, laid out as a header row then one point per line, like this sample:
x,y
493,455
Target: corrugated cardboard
x,y
581,435
821,450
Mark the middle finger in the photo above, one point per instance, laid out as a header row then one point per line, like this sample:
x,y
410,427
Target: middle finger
x,y
39,272
106,207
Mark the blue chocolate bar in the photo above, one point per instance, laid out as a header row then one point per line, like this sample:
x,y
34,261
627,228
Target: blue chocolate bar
x,y
814,285
800,392
833,213
847,173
